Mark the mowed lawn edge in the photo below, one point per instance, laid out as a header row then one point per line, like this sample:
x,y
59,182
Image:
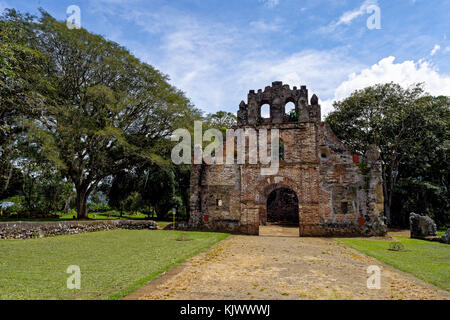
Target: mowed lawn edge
x,y
426,260
138,284
113,263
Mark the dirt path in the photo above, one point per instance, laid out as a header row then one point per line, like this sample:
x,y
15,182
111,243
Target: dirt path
x,y
280,265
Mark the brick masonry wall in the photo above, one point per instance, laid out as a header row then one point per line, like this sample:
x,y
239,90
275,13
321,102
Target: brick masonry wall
x,y
28,230
317,167
337,197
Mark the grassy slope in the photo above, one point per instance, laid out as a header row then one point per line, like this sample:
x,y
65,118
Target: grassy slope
x,y
113,263
429,261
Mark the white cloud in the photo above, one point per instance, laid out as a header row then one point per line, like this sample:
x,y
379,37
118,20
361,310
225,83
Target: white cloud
x,y
320,71
216,64
263,26
270,3
347,17
217,75
386,70
447,49
435,49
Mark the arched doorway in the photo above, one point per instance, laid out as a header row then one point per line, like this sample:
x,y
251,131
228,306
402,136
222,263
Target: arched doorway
x,y
282,207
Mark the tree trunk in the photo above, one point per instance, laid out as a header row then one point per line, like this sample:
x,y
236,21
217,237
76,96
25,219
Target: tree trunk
x,y
66,208
387,211
387,207
5,188
82,212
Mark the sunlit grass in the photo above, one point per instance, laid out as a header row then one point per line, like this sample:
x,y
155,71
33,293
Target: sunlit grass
x,y
429,261
113,263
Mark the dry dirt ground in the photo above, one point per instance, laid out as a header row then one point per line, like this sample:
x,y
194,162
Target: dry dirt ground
x,y
280,265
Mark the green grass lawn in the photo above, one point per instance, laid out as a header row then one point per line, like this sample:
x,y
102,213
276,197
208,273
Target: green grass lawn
x,y
112,263
109,215
163,224
429,261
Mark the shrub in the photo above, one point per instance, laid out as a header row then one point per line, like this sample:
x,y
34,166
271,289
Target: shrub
x,y
98,207
396,246
16,208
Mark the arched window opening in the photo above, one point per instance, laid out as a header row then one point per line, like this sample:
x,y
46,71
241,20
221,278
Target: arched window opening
x,y
289,109
265,111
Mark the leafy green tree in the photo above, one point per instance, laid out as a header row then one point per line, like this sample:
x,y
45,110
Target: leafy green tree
x,y
123,184
401,122
21,85
159,189
424,172
11,183
105,111
134,202
221,120
150,185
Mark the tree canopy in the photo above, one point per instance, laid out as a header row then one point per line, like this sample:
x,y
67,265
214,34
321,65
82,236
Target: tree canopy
x,y
95,111
411,129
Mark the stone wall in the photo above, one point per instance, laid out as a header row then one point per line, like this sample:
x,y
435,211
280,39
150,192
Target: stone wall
x,y
338,194
28,230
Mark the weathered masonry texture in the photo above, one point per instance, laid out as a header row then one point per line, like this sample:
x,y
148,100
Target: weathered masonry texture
x,y
339,194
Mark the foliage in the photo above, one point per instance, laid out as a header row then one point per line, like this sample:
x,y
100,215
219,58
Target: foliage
x,y
151,188
98,207
20,84
294,115
221,120
97,110
411,129
396,246
17,207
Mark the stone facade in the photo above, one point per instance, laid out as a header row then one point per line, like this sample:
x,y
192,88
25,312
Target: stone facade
x,y
29,230
339,193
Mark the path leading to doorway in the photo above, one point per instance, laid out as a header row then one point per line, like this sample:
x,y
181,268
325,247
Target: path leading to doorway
x,y
280,265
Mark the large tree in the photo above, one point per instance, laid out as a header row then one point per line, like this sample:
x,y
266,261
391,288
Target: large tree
x,y
105,109
221,120
20,86
423,182
405,124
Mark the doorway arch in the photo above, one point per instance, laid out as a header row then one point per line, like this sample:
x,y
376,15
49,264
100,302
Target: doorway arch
x,y
282,207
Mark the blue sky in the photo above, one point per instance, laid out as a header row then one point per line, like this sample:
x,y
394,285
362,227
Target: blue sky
x,y
216,51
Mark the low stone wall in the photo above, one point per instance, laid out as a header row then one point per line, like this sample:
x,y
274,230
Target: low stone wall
x,y
29,230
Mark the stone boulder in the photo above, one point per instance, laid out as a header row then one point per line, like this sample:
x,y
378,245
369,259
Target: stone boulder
x,y
421,226
446,237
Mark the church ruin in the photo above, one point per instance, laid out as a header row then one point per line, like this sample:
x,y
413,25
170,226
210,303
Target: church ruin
x,y
320,185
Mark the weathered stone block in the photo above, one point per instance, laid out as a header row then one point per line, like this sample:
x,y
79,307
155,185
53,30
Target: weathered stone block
x,y
446,237
421,226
